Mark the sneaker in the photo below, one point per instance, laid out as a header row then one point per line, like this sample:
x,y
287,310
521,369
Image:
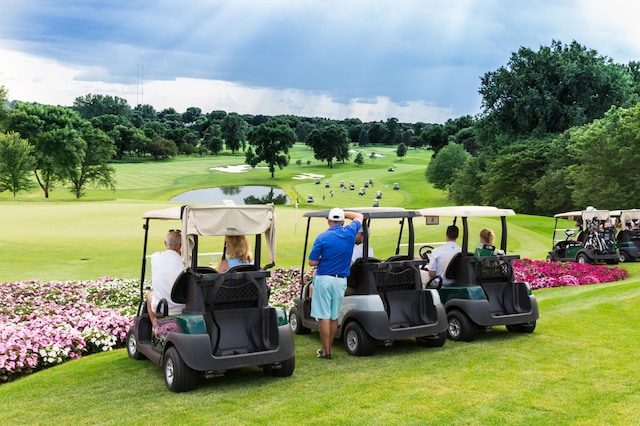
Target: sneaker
x,y
321,354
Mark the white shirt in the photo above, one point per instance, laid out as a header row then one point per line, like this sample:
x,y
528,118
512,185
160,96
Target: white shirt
x,y
358,251
165,268
439,259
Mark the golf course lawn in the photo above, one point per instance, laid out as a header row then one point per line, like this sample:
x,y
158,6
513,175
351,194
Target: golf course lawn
x,y
580,366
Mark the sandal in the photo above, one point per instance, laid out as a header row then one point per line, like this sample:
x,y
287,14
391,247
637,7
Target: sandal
x,y
321,354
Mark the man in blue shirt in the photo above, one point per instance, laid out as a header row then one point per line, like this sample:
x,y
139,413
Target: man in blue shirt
x,y
331,254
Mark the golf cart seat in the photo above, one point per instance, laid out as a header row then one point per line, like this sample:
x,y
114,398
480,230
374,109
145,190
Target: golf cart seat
x,y
484,250
624,236
460,268
361,279
237,314
399,285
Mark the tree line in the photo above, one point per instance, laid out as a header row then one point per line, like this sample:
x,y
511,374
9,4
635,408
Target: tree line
x,y
75,145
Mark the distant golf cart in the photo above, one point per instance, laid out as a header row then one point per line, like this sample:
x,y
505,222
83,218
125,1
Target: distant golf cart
x,y
384,300
227,322
484,293
595,240
628,237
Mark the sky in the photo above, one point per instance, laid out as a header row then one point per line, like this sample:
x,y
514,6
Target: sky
x,y
415,60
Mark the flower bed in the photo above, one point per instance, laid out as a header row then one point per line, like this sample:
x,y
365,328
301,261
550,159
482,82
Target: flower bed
x,y
44,324
541,274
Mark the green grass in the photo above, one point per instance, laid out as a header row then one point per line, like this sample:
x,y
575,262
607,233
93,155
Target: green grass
x,y
580,366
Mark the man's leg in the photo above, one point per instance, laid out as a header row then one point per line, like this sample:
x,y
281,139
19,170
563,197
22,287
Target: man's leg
x,y
326,338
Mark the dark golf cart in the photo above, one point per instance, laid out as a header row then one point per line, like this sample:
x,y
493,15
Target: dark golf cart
x,y
595,240
385,300
484,292
628,237
227,322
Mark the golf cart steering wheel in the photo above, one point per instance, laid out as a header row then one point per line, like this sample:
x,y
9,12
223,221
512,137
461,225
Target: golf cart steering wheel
x,y
425,251
434,282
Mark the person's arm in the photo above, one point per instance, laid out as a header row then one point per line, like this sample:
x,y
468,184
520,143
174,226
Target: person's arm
x,y
224,265
354,216
313,262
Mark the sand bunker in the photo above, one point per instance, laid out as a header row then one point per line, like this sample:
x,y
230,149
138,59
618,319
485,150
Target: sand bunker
x,y
235,169
307,176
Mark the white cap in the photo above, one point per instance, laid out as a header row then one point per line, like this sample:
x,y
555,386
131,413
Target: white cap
x,y
336,215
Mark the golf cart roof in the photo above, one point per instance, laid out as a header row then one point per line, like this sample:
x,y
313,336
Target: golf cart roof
x,y
630,214
171,213
466,211
584,214
219,220
626,216
369,212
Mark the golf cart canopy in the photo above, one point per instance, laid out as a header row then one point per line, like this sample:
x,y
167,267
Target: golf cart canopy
x,y
220,220
465,212
584,216
626,217
369,212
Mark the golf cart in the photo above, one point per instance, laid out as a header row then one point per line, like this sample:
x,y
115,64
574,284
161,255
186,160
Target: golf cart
x,y
628,237
483,293
384,300
595,242
226,322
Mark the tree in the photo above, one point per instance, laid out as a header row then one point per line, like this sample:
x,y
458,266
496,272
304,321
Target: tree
x,y
435,137
90,106
392,135
162,148
233,129
330,142
509,177
359,160
607,160
553,89
377,133
213,139
442,168
54,132
94,168
272,142
16,163
3,106
401,151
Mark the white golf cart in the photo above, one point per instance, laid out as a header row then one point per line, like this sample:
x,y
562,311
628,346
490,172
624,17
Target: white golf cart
x,y
595,240
227,322
483,293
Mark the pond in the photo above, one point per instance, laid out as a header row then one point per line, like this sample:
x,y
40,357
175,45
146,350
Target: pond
x,y
238,194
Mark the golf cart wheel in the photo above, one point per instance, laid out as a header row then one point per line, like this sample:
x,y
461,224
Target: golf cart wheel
x,y
357,341
295,321
434,341
624,256
132,346
461,328
284,369
549,258
526,327
582,258
177,375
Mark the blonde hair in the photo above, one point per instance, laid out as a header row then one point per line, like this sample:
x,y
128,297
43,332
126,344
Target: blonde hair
x,y
238,247
487,236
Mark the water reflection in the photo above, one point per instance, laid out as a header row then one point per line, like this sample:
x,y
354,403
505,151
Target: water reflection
x,y
238,194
